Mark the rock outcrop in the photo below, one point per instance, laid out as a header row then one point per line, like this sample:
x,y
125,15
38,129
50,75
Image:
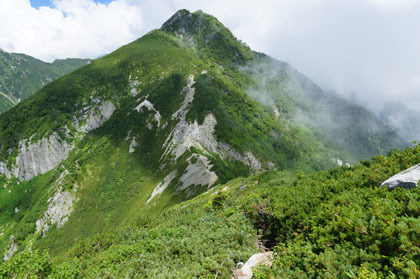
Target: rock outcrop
x,y
60,206
12,249
162,185
39,157
147,104
408,178
186,135
245,272
35,158
198,173
4,170
201,136
94,116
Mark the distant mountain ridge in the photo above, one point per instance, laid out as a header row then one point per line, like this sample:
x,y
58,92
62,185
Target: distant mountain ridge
x,y
337,122
22,75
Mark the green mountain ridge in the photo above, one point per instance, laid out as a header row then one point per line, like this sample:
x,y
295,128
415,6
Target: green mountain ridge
x,y
22,75
335,122
116,143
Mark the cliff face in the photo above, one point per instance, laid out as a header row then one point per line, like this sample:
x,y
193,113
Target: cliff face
x,y
39,157
35,158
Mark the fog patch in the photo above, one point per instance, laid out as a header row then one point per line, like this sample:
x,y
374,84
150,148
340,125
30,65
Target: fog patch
x,y
403,119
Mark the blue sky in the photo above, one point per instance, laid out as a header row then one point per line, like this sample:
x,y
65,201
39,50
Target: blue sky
x,y
39,3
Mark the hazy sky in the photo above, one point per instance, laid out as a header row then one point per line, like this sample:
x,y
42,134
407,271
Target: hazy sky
x,y
368,49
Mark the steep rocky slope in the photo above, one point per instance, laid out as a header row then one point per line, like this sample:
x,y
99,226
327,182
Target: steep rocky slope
x,y
158,122
22,75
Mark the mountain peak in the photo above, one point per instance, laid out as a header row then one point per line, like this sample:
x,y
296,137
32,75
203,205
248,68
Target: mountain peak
x,y
183,22
208,35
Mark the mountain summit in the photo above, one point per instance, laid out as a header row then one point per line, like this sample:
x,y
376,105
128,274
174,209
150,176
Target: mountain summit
x,y
184,22
207,35
157,122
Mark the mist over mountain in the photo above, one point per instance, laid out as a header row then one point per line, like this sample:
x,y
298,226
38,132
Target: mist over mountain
x,y
347,126
403,119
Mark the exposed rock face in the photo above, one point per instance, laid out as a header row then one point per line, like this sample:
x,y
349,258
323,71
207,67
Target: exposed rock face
x,y
189,97
12,248
226,151
42,156
405,179
4,170
93,117
186,135
162,185
198,173
39,157
147,104
245,272
59,209
252,162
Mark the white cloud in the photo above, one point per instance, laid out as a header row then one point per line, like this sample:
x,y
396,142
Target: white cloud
x,y
366,48
75,28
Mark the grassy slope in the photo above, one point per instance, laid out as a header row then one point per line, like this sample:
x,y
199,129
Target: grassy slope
x,y
124,180
330,224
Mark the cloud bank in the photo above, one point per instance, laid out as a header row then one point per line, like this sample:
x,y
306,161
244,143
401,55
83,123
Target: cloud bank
x,y
366,49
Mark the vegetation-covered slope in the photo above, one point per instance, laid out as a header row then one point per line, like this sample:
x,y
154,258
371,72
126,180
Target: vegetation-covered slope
x,y
336,122
113,170
22,75
330,224
155,123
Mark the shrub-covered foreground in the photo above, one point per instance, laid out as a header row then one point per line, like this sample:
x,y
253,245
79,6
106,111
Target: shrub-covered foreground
x,y
331,224
342,224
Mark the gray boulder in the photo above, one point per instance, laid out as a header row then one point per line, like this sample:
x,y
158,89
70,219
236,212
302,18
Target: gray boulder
x,y
408,178
245,271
